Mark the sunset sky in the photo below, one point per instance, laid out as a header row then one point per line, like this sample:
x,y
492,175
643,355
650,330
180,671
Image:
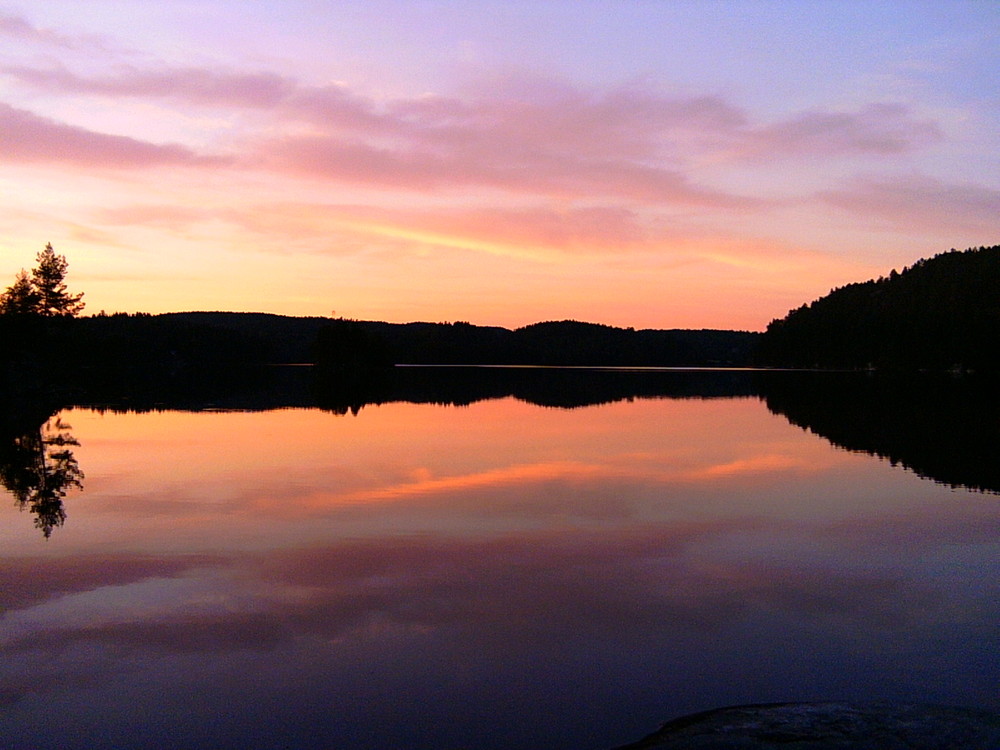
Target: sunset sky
x,y
689,164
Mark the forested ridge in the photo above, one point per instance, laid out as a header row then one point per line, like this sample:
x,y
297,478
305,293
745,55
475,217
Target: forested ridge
x,y
176,340
942,313
42,331
938,314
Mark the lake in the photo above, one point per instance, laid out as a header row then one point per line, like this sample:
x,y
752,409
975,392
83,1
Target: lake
x,y
492,558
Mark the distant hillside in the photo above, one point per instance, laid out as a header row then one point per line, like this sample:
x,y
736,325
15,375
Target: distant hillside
x,y
173,341
282,339
938,314
550,343
288,339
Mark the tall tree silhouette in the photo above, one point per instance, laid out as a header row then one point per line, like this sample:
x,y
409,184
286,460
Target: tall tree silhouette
x,y
48,278
44,293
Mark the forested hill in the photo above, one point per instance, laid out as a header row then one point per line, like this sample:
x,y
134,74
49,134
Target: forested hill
x,y
348,342
175,340
938,314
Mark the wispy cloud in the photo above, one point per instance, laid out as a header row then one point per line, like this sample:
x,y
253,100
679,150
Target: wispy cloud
x,y
201,86
536,172
873,130
19,28
922,203
514,133
571,230
31,138
687,183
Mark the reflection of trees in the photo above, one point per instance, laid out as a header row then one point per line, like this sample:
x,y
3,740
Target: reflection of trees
x,y
545,386
38,468
943,429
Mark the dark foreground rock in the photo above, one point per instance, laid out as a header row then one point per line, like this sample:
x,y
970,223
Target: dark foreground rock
x,y
829,726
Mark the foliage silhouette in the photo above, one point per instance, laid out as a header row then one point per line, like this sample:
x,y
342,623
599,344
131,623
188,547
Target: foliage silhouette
x,y
941,427
38,467
556,343
44,293
942,313
21,297
347,344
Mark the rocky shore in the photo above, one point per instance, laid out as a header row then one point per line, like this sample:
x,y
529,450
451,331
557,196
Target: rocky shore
x,y
829,726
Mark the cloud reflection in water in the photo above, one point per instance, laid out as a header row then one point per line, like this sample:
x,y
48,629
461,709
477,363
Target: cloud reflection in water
x,y
419,575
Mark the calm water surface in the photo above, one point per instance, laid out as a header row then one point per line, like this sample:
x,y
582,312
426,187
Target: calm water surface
x,y
495,575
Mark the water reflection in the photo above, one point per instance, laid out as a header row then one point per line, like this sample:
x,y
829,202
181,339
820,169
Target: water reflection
x,y
942,428
555,387
38,468
493,576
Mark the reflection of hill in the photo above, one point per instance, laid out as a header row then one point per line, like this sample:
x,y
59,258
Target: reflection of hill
x,y
556,387
944,429
259,388
941,428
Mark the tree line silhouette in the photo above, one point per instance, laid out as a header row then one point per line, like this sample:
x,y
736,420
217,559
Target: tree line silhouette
x,y
40,322
939,314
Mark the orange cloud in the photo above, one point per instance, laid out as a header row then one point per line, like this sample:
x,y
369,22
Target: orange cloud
x,y
775,462
509,475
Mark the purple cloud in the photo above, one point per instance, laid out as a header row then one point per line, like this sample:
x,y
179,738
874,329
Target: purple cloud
x,y
32,580
20,29
920,202
876,129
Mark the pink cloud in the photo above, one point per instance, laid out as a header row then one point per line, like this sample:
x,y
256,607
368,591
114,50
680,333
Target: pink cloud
x,y
519,134
524,230
195,85
921,202
573,143
509,113
335,108
31,138
536,172
569,230
564,120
